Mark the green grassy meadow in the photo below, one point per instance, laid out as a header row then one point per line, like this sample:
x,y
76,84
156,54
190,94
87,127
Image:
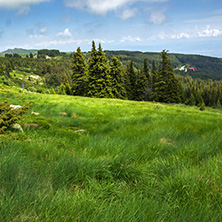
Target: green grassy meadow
x,y
111,160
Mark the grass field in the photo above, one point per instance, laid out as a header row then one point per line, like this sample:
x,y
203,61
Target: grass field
x,y
111,160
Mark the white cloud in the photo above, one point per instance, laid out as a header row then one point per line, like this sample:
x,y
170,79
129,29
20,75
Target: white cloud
x,y
103,6
65,33
48,42
129,38
180,36
157,17
17,4
210,32
104,41
128,13
164,36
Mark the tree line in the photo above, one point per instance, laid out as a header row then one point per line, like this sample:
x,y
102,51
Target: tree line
x,y
99,78
93,75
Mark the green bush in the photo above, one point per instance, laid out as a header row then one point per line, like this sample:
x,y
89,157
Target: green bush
x,y
9,116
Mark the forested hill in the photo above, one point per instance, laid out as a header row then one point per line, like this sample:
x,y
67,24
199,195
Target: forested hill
x,y
206,67
19,51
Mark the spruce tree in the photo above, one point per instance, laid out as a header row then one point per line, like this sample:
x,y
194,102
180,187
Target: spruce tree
x,y
166,86
99,79
130,76
117,77
141,85
79,76
146,69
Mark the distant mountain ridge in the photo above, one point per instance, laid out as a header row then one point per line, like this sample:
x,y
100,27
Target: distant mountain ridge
x,y
19,51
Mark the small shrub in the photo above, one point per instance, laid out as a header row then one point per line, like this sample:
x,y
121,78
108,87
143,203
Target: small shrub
x,y
9,116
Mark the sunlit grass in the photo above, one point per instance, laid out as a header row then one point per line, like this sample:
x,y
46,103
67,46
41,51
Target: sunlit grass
x,y
111,160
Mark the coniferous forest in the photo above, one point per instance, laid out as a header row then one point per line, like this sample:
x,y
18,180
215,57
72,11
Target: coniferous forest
x,y
94,75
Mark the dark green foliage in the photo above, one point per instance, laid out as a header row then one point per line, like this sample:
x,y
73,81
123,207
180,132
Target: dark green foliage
x,y
8,68
1,70
166,86
146,69
207,67
9,116
51,53
130,81
141,85
99,79
117,78
79,76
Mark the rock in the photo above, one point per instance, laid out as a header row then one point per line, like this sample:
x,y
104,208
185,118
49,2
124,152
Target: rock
x,y
80,131
15,106
36,114
17,127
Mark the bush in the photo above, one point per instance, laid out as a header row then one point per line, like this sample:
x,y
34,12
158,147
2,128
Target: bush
x,y
9,116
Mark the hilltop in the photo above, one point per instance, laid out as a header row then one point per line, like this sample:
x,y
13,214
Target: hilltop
x,y
206,67
19,51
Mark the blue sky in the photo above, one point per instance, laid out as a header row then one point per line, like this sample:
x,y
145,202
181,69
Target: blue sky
x,y
182,26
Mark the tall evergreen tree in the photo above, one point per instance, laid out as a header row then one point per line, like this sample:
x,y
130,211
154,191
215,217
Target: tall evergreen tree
x,y
146,69
130,76
166,86
141,85
117,77
79,76
151,81
99,78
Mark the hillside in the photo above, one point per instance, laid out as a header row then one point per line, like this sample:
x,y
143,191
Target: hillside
x,y
207,67
85,159
19,51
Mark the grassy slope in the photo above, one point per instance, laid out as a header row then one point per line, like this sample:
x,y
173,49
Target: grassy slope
x,y
136,161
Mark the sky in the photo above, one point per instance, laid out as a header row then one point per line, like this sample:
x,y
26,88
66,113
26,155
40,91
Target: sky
x,y
180,26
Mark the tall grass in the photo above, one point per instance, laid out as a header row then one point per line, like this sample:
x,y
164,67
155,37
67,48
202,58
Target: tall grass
x,y
111,160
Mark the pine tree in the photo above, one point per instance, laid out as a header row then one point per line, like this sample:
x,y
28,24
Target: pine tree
x,y
146,69
166,86
99,79
117,77
151,81
79,76
141,85
130,81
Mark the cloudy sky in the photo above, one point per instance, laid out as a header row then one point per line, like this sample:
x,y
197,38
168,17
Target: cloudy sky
x,y
183,26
